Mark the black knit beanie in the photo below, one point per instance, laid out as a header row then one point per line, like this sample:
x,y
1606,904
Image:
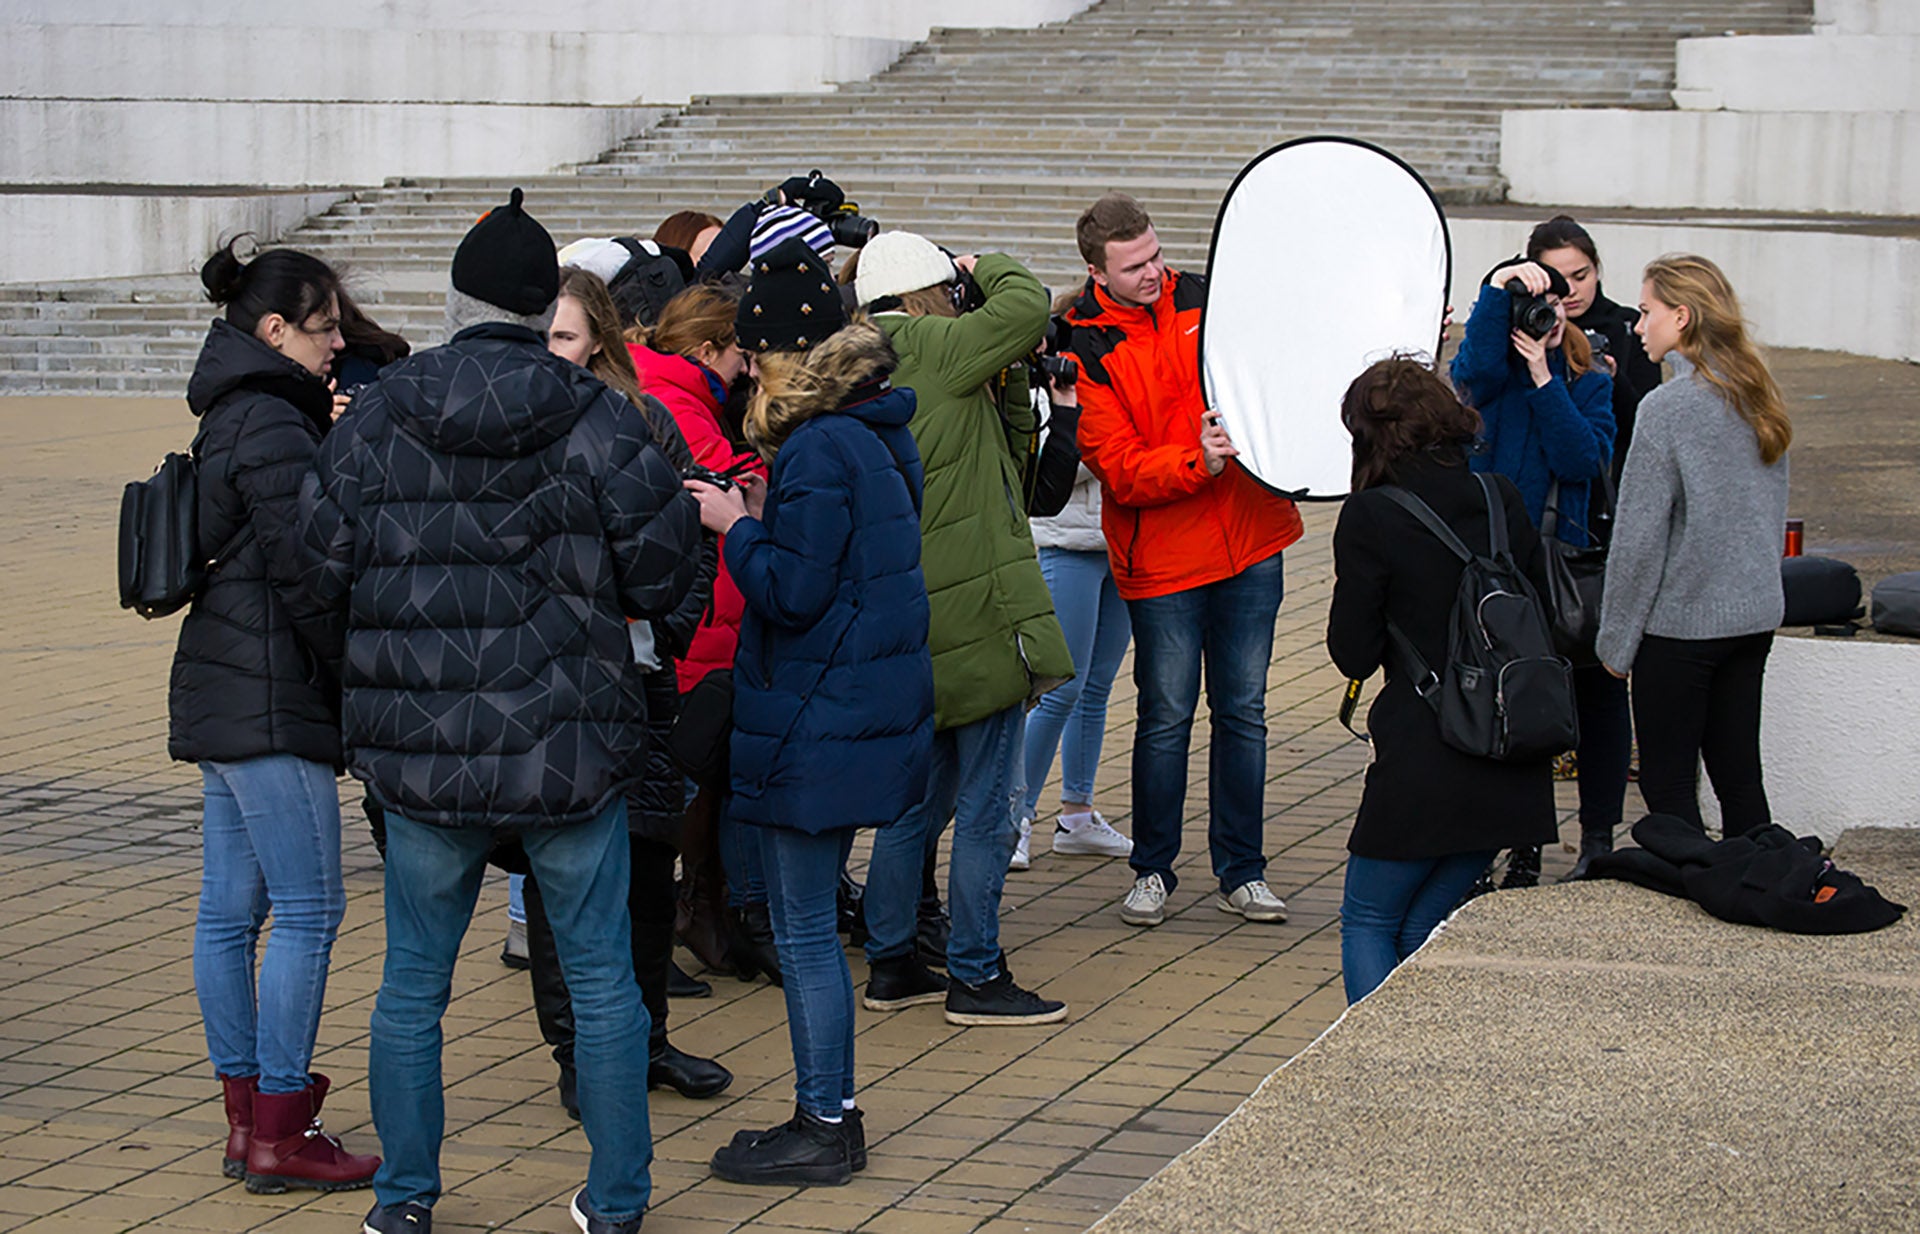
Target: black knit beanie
x,y
791,303
507,259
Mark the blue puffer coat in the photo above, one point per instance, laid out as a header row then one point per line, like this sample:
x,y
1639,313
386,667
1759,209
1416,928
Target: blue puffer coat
x,y
1534,435
833,685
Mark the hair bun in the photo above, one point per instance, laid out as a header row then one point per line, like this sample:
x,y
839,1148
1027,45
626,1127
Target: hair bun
x,y
224,273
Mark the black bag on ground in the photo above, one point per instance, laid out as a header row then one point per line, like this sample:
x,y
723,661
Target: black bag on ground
x,y
1504,694
161,569
1575,577
1896,604
1821,591
700,735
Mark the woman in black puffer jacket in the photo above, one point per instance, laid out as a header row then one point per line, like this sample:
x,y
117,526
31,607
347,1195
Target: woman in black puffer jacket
x,y
251,705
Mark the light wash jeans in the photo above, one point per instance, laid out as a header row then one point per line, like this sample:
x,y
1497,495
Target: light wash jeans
x,y
433,881
970,780
270,839
1073,718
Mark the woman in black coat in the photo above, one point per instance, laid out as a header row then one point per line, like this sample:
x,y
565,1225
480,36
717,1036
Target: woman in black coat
x,y
251,705
1431,818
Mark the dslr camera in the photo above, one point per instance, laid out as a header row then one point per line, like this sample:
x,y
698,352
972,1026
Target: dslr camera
x,y
823,199
719,480
1531,315
1050,359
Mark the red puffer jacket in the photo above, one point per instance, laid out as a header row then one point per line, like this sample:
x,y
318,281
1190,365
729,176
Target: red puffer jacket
x,y
684,387
1170,526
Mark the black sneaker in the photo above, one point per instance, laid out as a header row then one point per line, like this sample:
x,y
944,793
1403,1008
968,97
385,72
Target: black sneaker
x,y
803,1151
408,1218
902,981
1000,1001
591,1223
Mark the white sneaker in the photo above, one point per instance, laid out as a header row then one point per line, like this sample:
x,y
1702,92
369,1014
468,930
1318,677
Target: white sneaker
x,y
1254,902
1146,904
1022,859
1093,837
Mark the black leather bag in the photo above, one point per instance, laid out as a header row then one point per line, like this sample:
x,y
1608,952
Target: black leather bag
x,y
700,735
1575,578
160,566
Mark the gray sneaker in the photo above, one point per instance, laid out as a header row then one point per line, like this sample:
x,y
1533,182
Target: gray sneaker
x,y
1255,902
1146,904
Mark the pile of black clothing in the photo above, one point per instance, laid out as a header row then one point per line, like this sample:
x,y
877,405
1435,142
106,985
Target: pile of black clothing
x,y
1767,877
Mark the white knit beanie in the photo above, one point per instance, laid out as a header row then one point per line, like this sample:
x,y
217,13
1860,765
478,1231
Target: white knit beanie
x,y
897,262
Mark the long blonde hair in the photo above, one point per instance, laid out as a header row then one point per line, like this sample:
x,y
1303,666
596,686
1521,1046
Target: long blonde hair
x,y
611,363
1715,339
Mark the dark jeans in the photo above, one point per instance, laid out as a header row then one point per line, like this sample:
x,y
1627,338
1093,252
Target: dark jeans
x,y
650,908
803,879
1391,907
1695,700
1228,627
1606,747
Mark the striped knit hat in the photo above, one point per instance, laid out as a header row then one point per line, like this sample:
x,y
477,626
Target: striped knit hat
x,y
789,223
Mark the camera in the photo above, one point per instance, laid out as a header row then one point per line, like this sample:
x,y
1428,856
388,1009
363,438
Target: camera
x,y
1597,342
1050,363
717,479
823,199
1531,315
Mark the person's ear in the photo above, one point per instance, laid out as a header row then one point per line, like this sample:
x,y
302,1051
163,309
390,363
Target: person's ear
x,y
1099,275
1682,317
272,330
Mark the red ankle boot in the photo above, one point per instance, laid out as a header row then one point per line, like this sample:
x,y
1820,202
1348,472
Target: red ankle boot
x,y
290,1149
239,1090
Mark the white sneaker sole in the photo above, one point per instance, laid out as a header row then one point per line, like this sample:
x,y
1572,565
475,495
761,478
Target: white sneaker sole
x,y
1267,915
1068,848
1136,917
1017,862
968,1019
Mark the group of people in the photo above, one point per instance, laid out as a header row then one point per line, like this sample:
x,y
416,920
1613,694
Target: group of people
x,y
682,561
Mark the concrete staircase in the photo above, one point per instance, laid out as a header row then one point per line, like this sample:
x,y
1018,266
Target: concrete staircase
x,y
983,140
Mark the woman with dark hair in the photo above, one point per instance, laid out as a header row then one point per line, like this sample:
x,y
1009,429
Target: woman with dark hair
x,y
586,331
1431,818
1547,417
251,705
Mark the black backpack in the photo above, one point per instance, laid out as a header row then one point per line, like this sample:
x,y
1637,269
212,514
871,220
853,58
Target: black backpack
x,y
651,277
1504,693
161,570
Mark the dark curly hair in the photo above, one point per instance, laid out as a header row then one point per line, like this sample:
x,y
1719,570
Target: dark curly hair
x,y
1398,407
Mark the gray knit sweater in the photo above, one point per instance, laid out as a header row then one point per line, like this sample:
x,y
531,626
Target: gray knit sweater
x,y
1696,542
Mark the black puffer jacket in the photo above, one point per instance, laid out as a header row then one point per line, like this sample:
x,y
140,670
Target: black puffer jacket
x,y
244,685
1635,375
487,516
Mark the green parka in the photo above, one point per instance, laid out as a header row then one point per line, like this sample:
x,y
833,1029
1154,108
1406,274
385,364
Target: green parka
x,y
994,638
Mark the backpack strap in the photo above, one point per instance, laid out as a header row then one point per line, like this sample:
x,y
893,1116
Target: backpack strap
x,y
1422,511
1426,682
1496,517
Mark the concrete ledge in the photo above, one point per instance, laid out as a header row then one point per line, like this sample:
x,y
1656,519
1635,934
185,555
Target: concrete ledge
x,y
1867,16
1802,282
1591,1057
273,145
1799,73
1791,162
60,236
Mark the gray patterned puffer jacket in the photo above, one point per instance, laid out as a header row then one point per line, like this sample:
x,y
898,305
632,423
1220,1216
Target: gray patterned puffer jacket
x,y
486,517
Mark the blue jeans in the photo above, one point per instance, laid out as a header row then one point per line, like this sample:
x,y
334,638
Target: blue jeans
x,y
1229,626
740,858
270,839
1073,717
433,881
803,875
517,898
1391,907
970,780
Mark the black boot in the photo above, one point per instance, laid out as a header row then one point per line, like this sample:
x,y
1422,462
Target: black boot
x,y
851,901
697,1078
754,948
552,1005
934,926
680,985
801,1152
1594,843
1523,868
570,1091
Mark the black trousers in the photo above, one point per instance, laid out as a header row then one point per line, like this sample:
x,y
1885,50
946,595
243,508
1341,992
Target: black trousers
x,y
1606,747
1698,700
651,899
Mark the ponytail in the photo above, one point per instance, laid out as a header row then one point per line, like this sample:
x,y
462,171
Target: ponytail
x,y
293,284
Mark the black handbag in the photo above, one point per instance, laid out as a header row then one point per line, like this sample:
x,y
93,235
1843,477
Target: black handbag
x,y
700,734
160,567
1575,579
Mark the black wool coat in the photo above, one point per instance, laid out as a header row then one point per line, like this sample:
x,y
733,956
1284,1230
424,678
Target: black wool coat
x,y
1635,373
1423,798
244,683
487,517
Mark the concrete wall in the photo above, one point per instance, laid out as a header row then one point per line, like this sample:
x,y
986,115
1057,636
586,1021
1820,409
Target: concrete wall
x,y
1851,291
1867,16
1799,73
50,237
1797,162
1837,728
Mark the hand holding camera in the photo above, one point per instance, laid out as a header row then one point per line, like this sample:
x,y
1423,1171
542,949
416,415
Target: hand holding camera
x,y
823,199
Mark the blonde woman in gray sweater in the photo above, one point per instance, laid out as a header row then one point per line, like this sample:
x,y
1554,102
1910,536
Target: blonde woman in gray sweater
x,y
1693,577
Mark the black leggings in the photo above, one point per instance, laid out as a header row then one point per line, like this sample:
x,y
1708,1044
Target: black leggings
x,y
1606,747
1694,700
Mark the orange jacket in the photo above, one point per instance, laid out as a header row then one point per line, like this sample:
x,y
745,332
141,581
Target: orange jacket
x,y
1170,526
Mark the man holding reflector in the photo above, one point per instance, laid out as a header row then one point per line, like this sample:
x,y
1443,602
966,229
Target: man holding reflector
x,y
1196,548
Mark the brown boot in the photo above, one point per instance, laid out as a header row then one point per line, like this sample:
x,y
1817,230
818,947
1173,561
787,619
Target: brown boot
x,y
239,1090
290,1149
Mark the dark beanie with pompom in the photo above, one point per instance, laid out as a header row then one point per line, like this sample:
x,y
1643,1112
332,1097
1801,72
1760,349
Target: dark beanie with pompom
x,y
507,259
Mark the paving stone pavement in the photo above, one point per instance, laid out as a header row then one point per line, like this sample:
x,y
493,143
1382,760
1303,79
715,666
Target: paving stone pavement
x,y
110,1120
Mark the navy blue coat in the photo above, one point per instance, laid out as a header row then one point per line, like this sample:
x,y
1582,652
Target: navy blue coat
x,y
833,685
1534,435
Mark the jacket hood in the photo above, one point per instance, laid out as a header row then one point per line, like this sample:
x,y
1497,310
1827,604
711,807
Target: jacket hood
x,y
851,367
494,391
231,359
657,368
